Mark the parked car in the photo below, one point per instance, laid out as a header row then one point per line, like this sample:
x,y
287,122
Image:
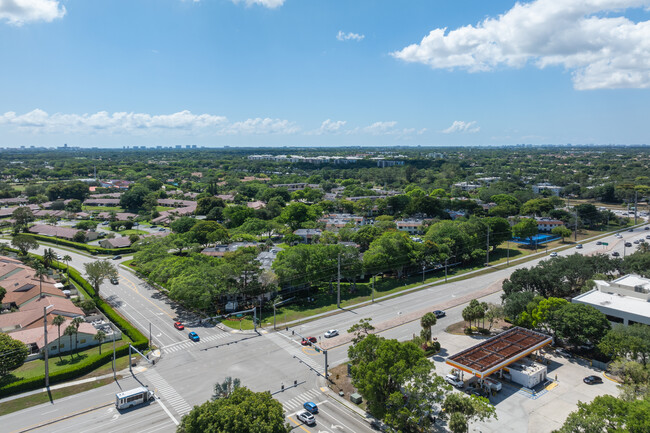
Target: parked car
x,y
179,326
615,254
331,333
193,336
454,380
439,314
628,244
646,228
591,380
161,229
307,418
117,257
105,223
553,254
492,383
310,406
647,237
636,242
579,247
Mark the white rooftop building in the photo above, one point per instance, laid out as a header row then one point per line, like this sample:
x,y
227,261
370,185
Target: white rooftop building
x,y
625,300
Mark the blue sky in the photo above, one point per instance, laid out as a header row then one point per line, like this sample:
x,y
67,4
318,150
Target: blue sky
x,y
111,73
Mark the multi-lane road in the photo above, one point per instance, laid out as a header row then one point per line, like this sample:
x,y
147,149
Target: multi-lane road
x,y
267,361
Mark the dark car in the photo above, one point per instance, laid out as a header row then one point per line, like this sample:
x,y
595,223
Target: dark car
x,y
193,336
646,228
310,406
479,392
439,314
591,380
628,244
615,254
179,325
114,281
117,257
630,230
599,243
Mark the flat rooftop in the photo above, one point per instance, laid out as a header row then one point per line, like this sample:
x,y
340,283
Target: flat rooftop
x,y
624,304
497,352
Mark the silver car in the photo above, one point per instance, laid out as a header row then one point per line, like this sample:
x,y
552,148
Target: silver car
x,y
307,418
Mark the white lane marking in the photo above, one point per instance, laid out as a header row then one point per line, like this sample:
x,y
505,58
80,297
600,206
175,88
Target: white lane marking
x,y
169,414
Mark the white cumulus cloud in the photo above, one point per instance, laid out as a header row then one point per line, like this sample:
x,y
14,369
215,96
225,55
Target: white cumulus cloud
x,y
329,127
591,38
342,36
102,122
271,4
19,12
461,126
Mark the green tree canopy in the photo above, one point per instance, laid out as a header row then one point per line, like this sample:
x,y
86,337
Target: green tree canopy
x,y
98,271
391,251
243,411
12,354
24,243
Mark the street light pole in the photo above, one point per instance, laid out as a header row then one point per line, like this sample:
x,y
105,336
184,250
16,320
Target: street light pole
x,y
46,352
114,372
373,288
338,284
445,270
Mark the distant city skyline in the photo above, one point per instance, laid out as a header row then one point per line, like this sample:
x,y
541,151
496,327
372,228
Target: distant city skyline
x,y
272,73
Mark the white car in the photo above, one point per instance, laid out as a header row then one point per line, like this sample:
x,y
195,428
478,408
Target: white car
x,y
454,380
331,333
553,254
307,418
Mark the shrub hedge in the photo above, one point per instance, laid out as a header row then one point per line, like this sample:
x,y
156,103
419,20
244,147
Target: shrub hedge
x,y
89,364
92,249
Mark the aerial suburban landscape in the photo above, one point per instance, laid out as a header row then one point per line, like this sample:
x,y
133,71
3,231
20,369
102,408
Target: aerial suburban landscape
x,y
273,216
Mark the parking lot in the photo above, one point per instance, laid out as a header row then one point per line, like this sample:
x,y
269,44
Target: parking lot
x,y
520,410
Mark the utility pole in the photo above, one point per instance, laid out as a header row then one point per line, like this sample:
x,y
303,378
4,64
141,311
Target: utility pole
x,y
47,365
338,284
575,229
114,372
423,268
445,270
508,255
487,249
373,288
636,205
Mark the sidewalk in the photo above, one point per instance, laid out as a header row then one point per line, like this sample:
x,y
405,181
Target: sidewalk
x,y
122,373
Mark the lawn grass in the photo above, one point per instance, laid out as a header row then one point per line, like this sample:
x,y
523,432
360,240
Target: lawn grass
x,y
102,208
163,208
36,367
45,397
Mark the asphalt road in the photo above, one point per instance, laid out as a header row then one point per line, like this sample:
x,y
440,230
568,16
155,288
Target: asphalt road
x,y
187,372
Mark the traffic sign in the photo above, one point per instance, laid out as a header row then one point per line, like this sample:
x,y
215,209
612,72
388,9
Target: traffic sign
x,y
605,243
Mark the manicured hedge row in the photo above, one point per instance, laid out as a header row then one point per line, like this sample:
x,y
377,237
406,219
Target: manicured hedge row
x,y
91,363
83,367
92,249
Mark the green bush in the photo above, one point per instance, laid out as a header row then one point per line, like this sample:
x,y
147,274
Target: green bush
x,y
92,249
83,367
138,340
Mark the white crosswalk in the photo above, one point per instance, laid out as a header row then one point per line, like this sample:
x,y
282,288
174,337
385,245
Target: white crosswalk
x,y
293,348
168,394
295,404
188,344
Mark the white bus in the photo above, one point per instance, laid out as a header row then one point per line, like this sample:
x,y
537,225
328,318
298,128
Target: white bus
x,y
132,397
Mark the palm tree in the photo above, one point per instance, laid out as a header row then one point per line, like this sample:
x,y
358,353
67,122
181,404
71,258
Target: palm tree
x,y
100,336
427,321
224,389
67,259
48,257
58,321
76,322
40,272
70,330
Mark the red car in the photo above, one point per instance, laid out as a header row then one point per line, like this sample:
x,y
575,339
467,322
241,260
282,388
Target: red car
x,y
308,341
179,325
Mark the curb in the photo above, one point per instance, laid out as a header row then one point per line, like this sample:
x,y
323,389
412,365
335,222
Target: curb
x,y
64,418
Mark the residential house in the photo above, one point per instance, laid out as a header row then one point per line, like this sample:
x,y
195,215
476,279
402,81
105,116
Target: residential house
x,y
61,232
122,242
308,235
